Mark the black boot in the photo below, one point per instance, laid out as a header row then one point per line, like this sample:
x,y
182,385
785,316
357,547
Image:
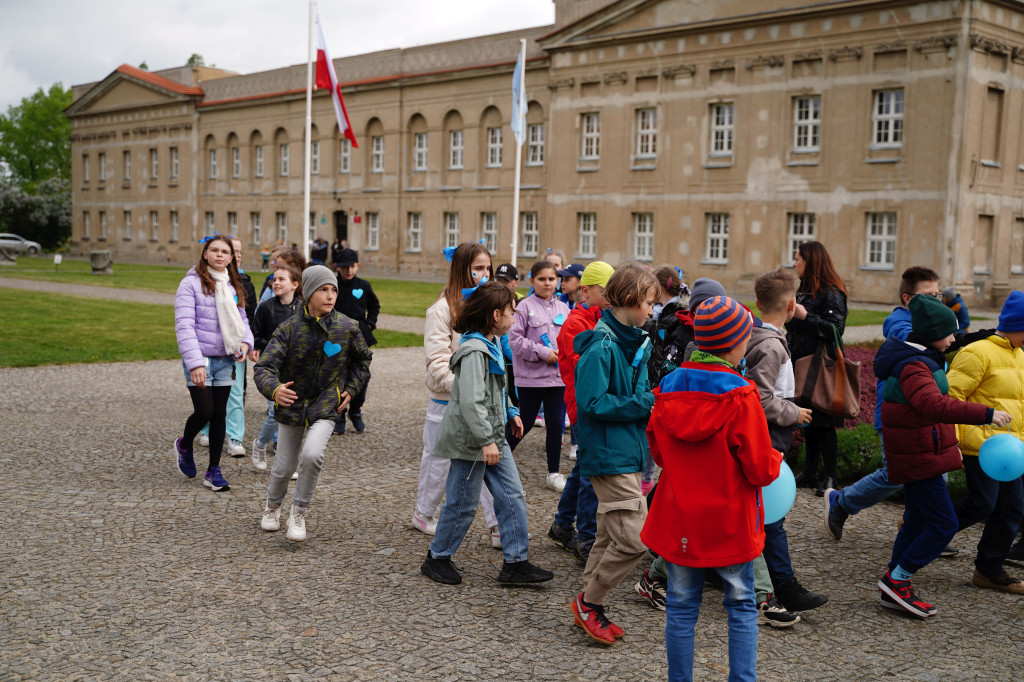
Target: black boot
x,y
806,479
1016,552
828,482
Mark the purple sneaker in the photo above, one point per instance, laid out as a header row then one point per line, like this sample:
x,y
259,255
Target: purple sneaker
x,y
186,464
214,481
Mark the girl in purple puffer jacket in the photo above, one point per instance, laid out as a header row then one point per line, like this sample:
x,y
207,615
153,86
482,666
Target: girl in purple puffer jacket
x,y
213,334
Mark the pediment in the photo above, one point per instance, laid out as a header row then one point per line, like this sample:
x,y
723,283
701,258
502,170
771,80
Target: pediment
x,y
133,89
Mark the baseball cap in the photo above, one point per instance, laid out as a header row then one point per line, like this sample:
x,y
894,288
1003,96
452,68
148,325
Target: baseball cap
x,y
506,271
347,257
597,273
574,270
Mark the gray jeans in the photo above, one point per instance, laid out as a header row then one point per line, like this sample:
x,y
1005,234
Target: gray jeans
x,y
288,457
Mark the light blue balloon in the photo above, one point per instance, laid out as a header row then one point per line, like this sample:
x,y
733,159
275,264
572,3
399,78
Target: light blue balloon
x,y
1002,457
779,496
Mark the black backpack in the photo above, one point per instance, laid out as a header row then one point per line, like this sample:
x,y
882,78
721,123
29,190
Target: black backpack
x,y
666,349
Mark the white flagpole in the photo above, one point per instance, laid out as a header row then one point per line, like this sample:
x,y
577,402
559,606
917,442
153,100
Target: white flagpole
x,y
519,158
308,145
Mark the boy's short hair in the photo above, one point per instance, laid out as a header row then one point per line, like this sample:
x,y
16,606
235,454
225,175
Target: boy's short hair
x,y
913,276
774,289
475,314
629,286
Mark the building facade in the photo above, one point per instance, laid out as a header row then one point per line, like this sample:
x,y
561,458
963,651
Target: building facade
x,y
713,135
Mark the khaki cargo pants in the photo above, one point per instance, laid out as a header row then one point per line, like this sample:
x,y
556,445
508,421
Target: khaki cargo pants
x,y
621,511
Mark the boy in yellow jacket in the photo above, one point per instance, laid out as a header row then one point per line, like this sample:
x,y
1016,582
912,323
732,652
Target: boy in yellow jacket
x,y
991,372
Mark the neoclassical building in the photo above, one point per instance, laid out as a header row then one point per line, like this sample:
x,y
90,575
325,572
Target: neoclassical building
x,y
715,135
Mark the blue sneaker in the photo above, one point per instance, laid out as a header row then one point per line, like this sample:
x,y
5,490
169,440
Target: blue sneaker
x,y
186,464
214,481
357,421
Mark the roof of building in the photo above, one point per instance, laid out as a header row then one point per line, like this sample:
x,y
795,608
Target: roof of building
x,y
159,81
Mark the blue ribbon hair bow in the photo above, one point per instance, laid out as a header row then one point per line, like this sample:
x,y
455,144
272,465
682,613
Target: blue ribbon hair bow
x,y
209,237
448,252
468,291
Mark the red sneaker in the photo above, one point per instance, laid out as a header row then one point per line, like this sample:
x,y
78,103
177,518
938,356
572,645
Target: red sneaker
x,y
593,621
616,631
901,595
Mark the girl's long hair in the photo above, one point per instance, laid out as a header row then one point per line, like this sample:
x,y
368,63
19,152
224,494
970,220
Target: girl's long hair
x,y
458,275
203,270
819,272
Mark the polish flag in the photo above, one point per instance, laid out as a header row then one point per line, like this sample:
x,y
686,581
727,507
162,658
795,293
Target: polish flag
x,y
327,78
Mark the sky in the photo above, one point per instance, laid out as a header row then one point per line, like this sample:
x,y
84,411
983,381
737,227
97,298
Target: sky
x,y
81,41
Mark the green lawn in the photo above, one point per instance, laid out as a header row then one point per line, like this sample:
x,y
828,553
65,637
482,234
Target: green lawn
x,y
48,329
855,317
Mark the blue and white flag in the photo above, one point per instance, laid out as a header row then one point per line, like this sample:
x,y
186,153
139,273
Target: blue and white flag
x,y
519,99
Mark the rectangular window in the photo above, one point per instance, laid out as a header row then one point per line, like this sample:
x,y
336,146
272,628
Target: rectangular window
x,y
801,229
722,129
419,152
154,226
456,149
489,230
236,162
807,124
257,170
494,147
282,227
174,163
535,145
213,164
102,162
154,165
881,242
451,229
531,234
174,226
888,118
416,232
345,157
590,149
984,240
233,224
311,227
646,133
210,223
372,231
86,225
85,168
643,236
314,157
377,154
1017,247
127,224
127,165
103,224
717,247
256,223
991,128
588,235
285,155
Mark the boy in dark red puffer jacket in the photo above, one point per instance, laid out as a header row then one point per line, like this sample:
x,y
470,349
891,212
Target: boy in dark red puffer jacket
x,y
921,444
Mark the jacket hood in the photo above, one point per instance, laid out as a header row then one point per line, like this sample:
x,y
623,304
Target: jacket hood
x,y
699,399
630,338
894,354
759,334
899,315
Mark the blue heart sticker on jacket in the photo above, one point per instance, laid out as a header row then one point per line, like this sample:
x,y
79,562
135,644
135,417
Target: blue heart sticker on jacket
x,y
661,334
358,293
331,349
559,319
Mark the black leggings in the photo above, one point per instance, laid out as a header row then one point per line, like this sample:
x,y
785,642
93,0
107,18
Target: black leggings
x,y
530,400
209,404
824,442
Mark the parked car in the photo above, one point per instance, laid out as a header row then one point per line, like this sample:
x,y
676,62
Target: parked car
x,y
13,241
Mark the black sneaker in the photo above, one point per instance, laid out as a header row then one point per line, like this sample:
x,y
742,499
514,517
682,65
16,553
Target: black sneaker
x,y
441,570
772,613
652,590
902,594
794,597
835,515
564,537
523,573
1016,552
583,551
357,421
948,552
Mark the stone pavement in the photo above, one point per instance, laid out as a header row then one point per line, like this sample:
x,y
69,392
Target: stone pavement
x,y
114,566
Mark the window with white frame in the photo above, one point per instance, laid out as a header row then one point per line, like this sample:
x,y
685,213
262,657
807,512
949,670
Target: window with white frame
x,y
311,227
210,223
233,224
587,235
284,159
881,241
646,133
489,230
175,167
494,137
174,226
807,123
415,233
282,227
456,149
535,145
213,164
590,127
154,226
103,224
154,164
419,152
643,236
887,118
377,154
314,157
85,168
531,234
256,223
236,162
86,224
722,129
102,163
372,231
127,165
127,224
717,246
345,157
257,170
451,229
802,228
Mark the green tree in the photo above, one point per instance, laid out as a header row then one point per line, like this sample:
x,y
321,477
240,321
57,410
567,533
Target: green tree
x,y
44,217
35,138
196,60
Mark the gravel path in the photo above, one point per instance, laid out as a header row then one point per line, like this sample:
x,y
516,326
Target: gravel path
x,y
117,567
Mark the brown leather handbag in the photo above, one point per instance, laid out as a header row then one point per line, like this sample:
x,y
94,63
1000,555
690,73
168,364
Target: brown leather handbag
x,y
829,385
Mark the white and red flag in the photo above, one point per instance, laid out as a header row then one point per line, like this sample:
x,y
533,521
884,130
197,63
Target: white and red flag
x,y
327,78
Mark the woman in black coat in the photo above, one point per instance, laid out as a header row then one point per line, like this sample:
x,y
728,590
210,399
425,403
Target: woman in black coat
x,y
821,303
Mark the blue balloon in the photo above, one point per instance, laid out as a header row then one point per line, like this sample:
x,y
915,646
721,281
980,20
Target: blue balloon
x,y
1002,457
780,495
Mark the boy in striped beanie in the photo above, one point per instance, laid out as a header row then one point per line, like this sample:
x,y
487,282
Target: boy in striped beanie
x,y
708,433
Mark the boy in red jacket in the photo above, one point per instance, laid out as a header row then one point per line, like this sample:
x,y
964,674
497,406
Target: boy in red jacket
x,y
921,444
709,435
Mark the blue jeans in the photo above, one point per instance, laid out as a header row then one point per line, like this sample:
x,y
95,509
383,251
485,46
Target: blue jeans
x,y
999,505
929,523
462,494
235,421
776,553
682,604
220,371
868,491
578,504
268,431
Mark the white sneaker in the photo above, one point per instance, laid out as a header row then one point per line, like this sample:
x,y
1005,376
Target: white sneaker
x,y
573,449
495,538
204,440
556,482
567,425
271,520
423,524
235,448
297,524
295,475
539,421
259,454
